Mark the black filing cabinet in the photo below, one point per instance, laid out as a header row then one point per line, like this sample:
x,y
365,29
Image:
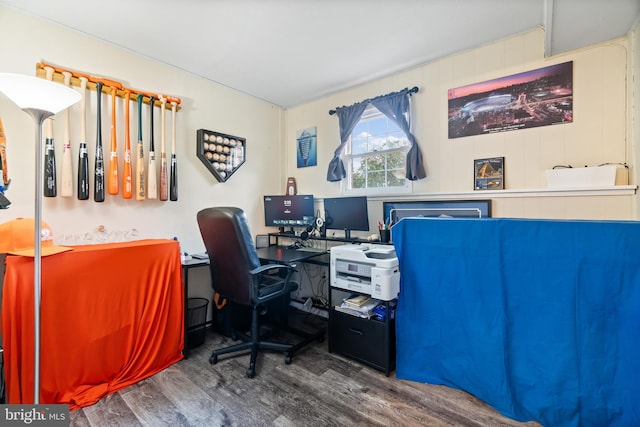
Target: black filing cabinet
x,y
372,342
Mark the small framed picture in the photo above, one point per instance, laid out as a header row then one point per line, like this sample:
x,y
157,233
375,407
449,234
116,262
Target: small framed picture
x,y
488,174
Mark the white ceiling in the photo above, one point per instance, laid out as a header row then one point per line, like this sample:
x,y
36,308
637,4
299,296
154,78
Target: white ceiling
x,y
290,52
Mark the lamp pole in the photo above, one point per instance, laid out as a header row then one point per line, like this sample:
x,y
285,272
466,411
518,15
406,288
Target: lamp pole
x,y
40,99
39,116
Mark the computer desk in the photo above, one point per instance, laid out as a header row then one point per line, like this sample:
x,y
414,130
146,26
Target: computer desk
x,y
287,255
186,266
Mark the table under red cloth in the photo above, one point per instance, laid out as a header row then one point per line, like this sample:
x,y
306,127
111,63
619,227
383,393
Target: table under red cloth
x,y
111,315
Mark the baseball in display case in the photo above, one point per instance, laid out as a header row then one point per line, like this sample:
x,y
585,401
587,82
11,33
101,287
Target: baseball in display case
x,y
222,154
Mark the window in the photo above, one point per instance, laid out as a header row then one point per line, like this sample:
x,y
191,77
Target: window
x,y
375,158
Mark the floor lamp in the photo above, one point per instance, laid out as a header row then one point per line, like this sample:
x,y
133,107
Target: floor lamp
x,y
40,99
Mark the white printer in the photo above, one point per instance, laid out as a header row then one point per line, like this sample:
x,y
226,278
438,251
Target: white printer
x,y
366,268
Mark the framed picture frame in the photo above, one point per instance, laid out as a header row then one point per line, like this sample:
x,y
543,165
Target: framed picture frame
x,y
488,174
306,147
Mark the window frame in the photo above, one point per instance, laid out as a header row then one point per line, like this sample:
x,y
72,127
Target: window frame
x,y
371,112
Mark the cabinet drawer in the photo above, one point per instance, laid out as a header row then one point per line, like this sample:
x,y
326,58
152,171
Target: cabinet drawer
x,y
365,340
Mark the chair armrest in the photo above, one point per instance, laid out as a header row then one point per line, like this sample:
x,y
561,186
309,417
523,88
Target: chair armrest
x,y
263,291
267,267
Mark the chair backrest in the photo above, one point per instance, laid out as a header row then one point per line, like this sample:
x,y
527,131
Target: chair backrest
x,y
232,253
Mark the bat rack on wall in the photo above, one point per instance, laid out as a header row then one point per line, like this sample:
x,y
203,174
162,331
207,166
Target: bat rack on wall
x,y
108,85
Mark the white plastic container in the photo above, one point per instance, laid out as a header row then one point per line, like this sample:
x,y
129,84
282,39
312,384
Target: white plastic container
x,y
587,177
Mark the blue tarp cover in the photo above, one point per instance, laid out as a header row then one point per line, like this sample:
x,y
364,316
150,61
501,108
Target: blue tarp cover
x,y
538,318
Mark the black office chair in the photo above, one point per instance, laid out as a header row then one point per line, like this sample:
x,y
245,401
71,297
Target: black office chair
x,y
237,275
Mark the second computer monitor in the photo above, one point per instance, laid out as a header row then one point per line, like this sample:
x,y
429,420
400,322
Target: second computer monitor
x,y
346,213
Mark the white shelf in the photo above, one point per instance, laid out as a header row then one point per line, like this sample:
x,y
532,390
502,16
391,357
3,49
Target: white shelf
x,y
614,190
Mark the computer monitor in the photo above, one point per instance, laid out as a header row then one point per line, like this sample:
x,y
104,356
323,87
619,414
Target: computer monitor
x,y
346,213
288,211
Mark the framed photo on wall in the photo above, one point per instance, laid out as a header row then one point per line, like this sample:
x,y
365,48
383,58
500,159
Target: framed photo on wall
x,y
540,97
488,174
306,147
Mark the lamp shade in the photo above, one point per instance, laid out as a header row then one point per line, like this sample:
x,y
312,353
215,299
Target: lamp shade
x,y
29,92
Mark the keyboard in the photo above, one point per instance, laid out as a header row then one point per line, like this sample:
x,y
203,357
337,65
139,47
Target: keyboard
x,y
314,250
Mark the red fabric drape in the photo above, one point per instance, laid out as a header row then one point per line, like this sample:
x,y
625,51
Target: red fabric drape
x,y
111,315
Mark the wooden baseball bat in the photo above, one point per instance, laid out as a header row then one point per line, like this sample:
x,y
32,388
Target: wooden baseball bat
x,y
98,173
50,185
164,181
127,192
66,177
140,178
113,182
152,183
173,184
83,154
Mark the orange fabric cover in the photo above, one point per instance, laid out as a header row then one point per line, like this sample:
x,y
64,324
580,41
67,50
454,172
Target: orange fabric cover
x,y
111,315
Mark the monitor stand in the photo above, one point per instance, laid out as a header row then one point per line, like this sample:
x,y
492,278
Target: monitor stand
x,y
347,234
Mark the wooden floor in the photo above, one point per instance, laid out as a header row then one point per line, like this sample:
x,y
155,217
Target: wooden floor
x,y
317,389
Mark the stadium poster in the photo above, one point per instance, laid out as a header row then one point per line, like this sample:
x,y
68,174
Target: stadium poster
x,y
534,98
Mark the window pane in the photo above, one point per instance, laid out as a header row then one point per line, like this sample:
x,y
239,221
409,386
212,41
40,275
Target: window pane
x,y
398,139
396,160
396,177
393,127
358,173
377,179
360,130
360,145
378,143
378,126
376,162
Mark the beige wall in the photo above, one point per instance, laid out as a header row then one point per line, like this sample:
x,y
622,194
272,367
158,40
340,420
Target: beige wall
x,y
24,41
603,131
599,134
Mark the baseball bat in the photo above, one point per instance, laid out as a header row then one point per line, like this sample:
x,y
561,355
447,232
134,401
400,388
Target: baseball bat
x,y
50,185
173,184
3,152
127,192
140,181
112,182
98,173
83,154
164,184
66,177
1,174
152,183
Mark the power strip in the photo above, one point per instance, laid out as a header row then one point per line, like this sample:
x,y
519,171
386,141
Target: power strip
x,y
313,310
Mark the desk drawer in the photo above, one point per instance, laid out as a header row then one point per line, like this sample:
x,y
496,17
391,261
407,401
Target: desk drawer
x,y
368,341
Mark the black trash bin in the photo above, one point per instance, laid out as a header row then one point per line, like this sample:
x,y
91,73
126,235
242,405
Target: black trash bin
x,y
197,320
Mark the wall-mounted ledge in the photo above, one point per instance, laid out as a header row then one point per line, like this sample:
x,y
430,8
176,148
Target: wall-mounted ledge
x,y
614,190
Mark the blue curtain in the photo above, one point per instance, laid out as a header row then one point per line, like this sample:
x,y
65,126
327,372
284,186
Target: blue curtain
x,y
348,118
397,107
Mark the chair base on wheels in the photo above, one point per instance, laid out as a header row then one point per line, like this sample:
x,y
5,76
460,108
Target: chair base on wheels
x,y
255,343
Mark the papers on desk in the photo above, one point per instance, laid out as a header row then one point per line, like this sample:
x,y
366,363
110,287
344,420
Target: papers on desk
x,y
361,306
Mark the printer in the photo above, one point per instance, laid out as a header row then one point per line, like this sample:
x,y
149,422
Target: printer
x,y
366,268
